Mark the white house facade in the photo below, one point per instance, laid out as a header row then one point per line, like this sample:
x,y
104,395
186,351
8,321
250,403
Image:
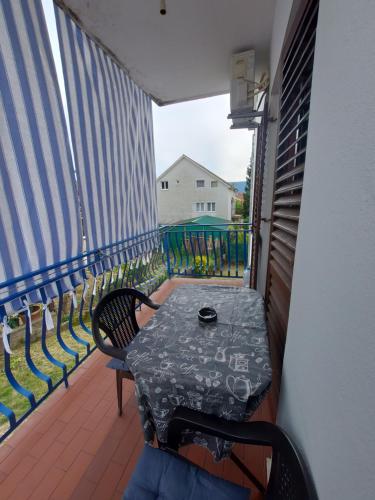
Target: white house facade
x,y
187,189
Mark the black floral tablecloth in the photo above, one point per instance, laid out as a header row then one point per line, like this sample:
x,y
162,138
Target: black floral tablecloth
x,y
220,368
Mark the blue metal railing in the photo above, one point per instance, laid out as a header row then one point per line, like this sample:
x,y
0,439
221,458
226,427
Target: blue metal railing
x,y
219,250
42,357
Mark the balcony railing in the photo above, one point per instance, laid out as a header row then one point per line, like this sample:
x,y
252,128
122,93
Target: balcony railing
x,y
219,250
49,340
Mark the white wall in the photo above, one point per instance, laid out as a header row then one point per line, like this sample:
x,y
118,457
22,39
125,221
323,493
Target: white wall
x,y
328,388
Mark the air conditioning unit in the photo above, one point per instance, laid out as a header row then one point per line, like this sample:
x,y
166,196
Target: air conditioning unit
x,y
242,87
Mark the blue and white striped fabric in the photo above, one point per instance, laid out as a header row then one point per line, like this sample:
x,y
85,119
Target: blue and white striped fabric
x,y
111,124
39,215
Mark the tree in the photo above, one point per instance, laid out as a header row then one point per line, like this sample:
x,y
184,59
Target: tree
x,y
246,200
246,196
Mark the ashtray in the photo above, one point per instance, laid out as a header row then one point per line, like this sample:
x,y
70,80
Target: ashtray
x,y
207,315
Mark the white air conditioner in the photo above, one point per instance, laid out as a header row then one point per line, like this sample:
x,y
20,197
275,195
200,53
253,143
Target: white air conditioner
x,y
242,86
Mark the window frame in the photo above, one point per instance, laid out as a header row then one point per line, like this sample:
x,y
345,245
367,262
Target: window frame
x,y
195,206
200,180
162,185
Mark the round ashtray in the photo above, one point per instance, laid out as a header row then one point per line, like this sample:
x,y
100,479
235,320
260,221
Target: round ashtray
x,y
207,315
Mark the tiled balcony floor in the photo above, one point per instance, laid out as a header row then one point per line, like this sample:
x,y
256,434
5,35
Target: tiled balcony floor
x,y
75,446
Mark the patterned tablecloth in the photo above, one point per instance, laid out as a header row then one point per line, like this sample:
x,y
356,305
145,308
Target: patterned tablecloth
x,y
220,368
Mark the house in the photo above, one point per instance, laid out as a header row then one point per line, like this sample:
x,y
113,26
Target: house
x,y
313,257
188,189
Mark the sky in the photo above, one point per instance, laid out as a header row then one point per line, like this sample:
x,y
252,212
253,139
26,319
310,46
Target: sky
x,y
199,129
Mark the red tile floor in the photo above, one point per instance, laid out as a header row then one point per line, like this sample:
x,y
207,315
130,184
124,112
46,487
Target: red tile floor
x,y
76,446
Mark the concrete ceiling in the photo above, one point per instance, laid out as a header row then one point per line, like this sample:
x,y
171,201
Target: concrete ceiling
x,y
186,53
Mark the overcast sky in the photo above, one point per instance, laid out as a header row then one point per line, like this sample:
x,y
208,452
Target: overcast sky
x,y
199,129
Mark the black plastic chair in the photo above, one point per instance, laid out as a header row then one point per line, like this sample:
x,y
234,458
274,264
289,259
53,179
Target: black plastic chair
x,y
289,476
115,316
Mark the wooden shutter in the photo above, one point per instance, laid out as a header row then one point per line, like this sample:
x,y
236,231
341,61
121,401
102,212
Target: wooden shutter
x,y
289,171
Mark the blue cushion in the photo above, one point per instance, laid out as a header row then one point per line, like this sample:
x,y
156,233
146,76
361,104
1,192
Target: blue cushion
x,y
159,475
118,364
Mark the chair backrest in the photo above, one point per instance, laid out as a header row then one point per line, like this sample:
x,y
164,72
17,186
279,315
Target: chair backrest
x,y
289,477
115,316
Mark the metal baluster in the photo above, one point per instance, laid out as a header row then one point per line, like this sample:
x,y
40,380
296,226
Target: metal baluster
x,y
173,252
115,281
245,233
214,250
138,270
110,280
76,337
192,249
124,273
134,273
60,340
82,303
179,251
94,285
129,274
236,252
200,252
45,349
228,248
148,273
135,270
163,250
166,250
207,254
221,253
102,283
30,363
186,251
10,415
14,383
154,260
142,271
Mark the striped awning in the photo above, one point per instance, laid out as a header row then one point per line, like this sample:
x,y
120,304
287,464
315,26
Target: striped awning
x,y
39,216
111,124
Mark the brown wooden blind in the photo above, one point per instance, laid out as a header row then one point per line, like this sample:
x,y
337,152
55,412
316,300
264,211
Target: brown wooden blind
x,y
289,171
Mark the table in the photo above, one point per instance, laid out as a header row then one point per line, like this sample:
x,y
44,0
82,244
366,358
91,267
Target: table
x,y
220,368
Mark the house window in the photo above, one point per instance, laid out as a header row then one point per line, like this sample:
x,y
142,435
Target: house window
x,y
198,207
199,183
211,206
164,185
214,184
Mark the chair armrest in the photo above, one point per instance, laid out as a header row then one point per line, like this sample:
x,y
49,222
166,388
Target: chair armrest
x,y
257,433
103,346
144,299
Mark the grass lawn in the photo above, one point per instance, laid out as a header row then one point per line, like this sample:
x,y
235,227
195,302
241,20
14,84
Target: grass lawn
x,y
27,379
24,376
